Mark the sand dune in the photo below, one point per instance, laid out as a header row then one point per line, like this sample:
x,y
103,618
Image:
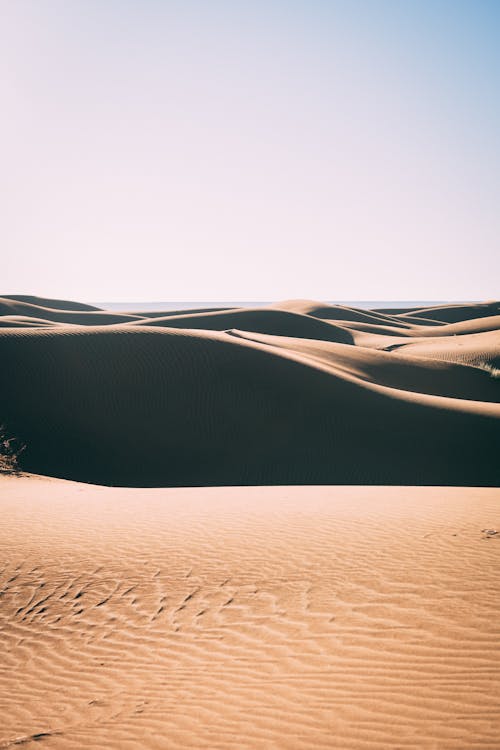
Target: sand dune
x,y
292,617
53,304
452,313
229,617
417,330
419,374
265,396
25,321
475,349
475,325
277,322
74,316
340,313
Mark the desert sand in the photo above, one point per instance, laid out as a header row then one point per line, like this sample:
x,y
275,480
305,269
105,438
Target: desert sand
x,y
256,617
191,604
299,392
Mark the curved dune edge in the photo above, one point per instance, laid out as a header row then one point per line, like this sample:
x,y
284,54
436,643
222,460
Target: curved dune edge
x,y
296,393
357,618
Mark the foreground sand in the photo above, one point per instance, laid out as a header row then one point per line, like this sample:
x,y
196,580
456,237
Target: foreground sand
x,y
258,617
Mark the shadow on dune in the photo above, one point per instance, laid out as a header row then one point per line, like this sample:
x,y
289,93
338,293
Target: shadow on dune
x,y
177,400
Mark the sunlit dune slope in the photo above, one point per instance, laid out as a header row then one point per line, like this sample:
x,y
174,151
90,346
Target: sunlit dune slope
x,y
452,313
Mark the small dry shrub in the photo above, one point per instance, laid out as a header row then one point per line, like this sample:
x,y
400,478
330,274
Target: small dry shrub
x,y
10,450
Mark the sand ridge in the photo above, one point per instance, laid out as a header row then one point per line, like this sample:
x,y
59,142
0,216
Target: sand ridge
x,y
296,393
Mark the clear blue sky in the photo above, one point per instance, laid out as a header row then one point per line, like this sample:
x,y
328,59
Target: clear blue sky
x,y
250,150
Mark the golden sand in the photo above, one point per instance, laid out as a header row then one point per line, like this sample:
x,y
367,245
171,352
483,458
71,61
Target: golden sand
x,y
258,617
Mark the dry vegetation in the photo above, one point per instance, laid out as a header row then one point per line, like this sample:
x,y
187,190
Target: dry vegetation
x,y
10,450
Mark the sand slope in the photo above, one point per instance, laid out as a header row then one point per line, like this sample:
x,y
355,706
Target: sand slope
x,y
357,618
299,393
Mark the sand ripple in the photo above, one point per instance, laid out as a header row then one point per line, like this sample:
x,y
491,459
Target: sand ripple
x,y
249,617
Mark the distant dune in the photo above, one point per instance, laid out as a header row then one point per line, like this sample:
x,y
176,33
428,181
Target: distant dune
x,y
296,393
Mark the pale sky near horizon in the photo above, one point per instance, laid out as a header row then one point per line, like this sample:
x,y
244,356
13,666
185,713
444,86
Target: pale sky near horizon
x,y
162,150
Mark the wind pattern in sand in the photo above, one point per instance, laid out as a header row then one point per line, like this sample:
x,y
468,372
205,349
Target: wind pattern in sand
x,y
340,618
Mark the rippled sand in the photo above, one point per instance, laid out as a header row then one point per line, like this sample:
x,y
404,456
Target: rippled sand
x,y
258,617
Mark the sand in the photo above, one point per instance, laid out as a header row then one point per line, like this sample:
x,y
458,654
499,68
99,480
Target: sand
x,y
299,392
257,617
298,544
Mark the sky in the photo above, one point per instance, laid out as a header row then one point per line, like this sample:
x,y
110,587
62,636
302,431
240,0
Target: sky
x,y
227,150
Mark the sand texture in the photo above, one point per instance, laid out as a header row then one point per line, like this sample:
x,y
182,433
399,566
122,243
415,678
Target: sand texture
x,y
296,393
260,617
